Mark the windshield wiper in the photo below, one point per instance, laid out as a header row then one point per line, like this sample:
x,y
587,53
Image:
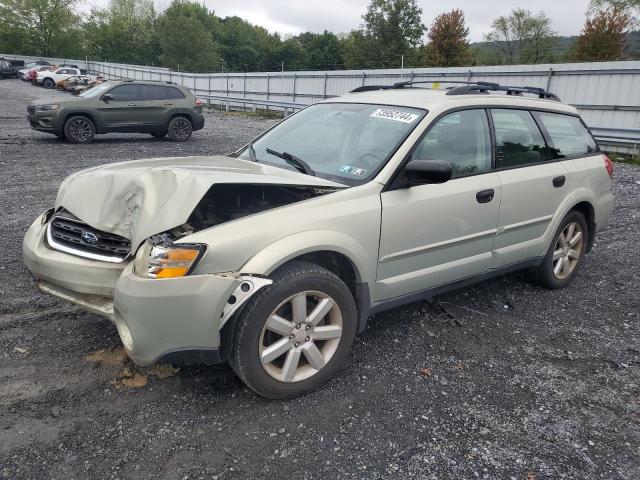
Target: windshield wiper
x,y
297,163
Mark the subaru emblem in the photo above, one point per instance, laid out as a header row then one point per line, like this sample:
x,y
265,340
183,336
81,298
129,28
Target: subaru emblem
x,y
88,237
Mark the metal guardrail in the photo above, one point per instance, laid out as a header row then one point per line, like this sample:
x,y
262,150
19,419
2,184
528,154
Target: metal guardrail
x,y
228,102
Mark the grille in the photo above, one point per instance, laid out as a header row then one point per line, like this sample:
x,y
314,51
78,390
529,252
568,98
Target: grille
x,y
31,109
77,238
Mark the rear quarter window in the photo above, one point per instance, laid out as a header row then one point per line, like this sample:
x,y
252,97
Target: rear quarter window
x,y
568,135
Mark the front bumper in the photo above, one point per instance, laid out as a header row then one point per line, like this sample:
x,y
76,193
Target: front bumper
x,y
175,319
44,122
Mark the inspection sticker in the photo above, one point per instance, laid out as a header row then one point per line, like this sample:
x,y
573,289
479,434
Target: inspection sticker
x,y
396,115
358,172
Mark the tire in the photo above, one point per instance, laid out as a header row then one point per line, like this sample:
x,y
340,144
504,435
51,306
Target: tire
x,y
158,134
317,360
180,129
563,259
79,129
48,83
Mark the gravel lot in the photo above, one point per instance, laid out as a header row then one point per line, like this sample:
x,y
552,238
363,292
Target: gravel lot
x,y
502,380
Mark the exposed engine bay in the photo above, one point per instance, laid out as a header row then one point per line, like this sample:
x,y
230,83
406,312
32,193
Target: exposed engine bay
x,y
226,202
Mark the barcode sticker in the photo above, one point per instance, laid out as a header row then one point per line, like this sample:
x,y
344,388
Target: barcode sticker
x,y
396,115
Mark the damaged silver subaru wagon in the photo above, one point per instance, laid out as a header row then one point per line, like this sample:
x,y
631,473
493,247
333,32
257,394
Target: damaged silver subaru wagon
x,y
274,257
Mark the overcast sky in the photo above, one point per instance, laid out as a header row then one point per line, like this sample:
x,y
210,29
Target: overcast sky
x,y
295,16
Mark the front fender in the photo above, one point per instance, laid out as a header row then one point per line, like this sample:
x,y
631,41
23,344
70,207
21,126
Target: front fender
x,y
288,248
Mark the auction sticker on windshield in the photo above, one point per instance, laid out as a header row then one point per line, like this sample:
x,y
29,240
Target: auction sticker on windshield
x,y
396,115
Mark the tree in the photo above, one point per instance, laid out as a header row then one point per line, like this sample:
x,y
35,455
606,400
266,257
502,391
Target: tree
x,y
245,47
597,5
321,51
40,27
603,35
186,39
448,43
393,28
521,36
123,32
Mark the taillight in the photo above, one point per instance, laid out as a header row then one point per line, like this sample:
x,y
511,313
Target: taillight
x,y
198,102
608,165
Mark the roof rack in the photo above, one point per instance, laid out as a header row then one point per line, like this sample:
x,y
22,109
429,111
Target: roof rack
x,y
398,85
465,88
483,87
151,81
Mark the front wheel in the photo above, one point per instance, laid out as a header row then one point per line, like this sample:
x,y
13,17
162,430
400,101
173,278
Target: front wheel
x,y
565,253
295,334
180,129
48,83
79,130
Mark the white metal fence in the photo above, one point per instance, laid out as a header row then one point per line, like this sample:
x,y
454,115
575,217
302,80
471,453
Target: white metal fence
x,y
607,94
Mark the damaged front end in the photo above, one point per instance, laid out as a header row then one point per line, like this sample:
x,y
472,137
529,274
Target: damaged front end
x,y
117,245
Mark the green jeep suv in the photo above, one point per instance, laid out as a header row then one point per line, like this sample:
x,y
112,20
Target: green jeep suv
x,y
158,108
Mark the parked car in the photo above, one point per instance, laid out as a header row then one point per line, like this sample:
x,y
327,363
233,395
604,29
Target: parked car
x,y
77,83
159,108
48,79
27,67
32,74
274,257
7,69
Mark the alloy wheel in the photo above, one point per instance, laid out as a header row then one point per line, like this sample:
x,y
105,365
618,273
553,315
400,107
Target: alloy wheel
x,y
300,336
80,129
181,129
568,250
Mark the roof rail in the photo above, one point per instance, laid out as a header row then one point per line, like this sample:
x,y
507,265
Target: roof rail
x,y
152,81
484,87
370,88
398,85
465,87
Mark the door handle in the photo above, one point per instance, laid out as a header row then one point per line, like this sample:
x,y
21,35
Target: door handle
x,y
485,196
168,103
559,181
132,104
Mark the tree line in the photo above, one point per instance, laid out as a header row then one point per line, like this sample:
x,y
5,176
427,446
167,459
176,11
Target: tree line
x,y
188,36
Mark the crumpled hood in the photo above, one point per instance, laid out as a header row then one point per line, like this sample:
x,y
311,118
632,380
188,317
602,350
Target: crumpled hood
x,y
140,198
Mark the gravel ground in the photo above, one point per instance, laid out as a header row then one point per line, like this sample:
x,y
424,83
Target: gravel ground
x,y
503,380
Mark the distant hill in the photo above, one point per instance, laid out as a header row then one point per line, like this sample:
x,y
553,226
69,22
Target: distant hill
x,y
487,53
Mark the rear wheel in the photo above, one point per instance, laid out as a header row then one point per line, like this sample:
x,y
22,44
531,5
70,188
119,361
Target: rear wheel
x,y
180,129
48,83
295,334
79,130
566,252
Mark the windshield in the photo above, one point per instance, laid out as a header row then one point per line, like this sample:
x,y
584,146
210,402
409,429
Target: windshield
x,y
97,90
344,142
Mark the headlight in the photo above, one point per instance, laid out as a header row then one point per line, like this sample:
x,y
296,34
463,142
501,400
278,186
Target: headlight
x,y
47,108
167,262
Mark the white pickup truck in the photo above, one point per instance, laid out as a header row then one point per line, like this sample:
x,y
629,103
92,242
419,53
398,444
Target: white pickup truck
x,y
49,79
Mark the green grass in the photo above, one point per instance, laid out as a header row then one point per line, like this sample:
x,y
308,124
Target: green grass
x,y
624,158
260,112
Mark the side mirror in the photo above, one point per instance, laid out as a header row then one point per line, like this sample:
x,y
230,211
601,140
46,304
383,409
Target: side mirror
x,y
420,172
107,97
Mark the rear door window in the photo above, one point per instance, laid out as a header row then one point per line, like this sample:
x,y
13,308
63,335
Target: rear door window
x,y
518,139
125,93
152,92
174,94
568,135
